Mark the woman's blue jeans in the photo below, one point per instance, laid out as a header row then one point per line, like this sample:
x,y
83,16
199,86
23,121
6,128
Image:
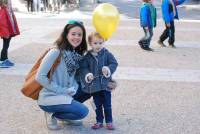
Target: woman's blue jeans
x,y
73,111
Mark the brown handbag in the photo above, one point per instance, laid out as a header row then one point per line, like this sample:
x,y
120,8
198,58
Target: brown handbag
x,y
31,87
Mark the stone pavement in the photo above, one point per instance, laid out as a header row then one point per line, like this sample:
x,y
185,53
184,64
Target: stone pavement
x,y
158,92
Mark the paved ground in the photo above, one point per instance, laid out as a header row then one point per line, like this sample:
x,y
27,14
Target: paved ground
x,y
158,92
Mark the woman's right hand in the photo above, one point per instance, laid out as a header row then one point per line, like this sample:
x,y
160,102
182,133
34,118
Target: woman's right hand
x,y
71,91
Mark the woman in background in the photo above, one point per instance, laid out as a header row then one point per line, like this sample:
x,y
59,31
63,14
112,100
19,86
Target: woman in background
x,y
8,29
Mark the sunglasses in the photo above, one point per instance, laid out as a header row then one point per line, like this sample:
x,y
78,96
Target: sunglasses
x,y
75,22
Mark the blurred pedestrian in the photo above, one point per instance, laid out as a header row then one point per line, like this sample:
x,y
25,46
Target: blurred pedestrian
x,y
30,5
56,5
37,5
169,13
45,5
147,22
8,29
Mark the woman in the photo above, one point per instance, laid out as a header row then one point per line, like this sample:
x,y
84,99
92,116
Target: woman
x,y
8,29
56,96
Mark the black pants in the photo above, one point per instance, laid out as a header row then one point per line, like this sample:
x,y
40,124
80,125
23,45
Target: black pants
x,y
81,96
46,4
4,51
30,5
169,32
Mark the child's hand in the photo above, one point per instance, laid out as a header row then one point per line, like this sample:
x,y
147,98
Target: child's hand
x,y
106,71
89,77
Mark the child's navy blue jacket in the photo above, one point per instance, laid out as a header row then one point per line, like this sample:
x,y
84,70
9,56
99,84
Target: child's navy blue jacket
x,y
94,64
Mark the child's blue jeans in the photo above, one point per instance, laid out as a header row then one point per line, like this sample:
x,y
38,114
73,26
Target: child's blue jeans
x,y
147,38
73,111
102,100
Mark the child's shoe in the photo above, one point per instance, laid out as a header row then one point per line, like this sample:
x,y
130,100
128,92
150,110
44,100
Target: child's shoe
x,y
52,122
110,126
97,125
141,44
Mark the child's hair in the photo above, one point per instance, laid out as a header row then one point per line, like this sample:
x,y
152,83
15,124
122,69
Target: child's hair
x,y
63,43
94,35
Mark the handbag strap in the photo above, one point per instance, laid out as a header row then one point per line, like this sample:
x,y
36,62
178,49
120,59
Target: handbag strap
x,y
55,64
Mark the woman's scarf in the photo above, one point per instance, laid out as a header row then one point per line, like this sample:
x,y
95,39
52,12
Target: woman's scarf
x,y
72,60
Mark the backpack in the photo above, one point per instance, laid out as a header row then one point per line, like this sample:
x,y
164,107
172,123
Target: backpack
x,y
31,87
153,13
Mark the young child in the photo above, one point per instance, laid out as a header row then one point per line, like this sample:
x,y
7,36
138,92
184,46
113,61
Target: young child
x,y
147,21
98,66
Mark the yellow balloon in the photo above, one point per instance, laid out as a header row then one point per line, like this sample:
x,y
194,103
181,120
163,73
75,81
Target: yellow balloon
x,y
105,19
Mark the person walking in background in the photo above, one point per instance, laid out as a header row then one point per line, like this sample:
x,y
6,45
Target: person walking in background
x,y
8,29
56,5
56,97
96,71
147,22
45,5
169,13
30,5
37,5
